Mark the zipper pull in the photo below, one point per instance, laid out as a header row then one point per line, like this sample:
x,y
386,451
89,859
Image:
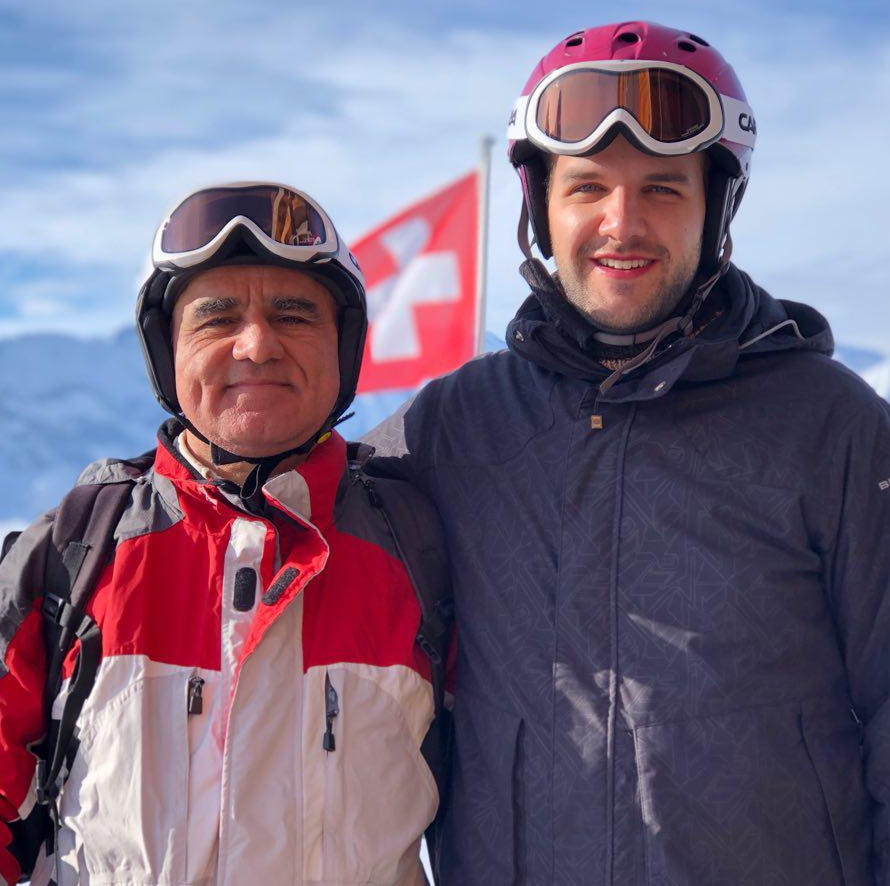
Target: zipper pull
x,y
195,695
596,419
331,709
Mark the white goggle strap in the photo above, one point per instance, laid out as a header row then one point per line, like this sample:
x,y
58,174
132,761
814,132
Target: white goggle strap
x,y
516,130
738,122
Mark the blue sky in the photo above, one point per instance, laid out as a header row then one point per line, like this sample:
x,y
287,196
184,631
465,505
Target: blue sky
x,y
112,110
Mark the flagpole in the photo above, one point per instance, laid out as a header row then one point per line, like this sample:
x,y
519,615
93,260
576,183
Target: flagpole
x,y
485,144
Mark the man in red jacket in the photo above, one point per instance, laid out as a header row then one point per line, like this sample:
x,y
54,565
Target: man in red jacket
x,y
259,697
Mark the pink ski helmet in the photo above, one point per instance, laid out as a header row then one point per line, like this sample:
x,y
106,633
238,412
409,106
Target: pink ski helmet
x,y
667,91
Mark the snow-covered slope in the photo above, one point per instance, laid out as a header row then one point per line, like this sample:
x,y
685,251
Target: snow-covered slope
x,y
67,401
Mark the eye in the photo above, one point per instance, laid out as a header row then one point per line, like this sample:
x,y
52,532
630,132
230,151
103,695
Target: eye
x,y
291,319
215,322
587,188
663,189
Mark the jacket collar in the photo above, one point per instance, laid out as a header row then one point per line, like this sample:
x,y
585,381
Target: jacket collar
x,y
553,334
307,492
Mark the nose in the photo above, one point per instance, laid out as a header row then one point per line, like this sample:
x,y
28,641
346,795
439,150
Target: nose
x,y
622,217
256,341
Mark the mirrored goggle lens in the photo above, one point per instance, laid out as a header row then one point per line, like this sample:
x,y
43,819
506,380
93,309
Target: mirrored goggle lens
x,y
279,213
669,106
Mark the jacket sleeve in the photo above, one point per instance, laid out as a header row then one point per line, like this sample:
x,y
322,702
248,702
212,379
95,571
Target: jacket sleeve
x,y
859,591
403,443
22,679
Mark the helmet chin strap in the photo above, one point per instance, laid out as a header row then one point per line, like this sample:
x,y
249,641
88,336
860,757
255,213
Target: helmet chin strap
x,y
264,466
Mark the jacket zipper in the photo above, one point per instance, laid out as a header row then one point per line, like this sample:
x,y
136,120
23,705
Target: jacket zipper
x,y
195,695
613,642
331,709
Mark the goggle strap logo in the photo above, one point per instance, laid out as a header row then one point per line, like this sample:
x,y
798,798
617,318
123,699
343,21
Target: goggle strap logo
x,y
516,123
739,126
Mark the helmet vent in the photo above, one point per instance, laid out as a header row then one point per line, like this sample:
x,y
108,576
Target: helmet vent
x,y
629,37
575,40
698,40
686,45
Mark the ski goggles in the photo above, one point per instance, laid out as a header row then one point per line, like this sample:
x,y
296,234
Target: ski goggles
x,y
287,222
667,108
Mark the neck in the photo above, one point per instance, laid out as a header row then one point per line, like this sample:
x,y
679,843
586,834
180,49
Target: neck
x,y
236,472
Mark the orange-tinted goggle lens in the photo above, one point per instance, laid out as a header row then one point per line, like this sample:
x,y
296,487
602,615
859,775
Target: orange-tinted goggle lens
x,y
668,106
281,214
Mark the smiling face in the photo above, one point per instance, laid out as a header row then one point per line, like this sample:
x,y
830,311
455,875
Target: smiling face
x,y
255,354
626,230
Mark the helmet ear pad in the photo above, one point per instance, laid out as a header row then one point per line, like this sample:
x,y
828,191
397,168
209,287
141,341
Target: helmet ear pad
x,y
153,326
725,191
535,174
352,328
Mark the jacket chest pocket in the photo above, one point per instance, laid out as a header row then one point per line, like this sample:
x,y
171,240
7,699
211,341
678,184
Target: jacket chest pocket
x,y
368,794
126,801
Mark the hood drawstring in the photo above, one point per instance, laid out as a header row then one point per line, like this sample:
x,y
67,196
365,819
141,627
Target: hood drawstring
x,y
776,328
642,357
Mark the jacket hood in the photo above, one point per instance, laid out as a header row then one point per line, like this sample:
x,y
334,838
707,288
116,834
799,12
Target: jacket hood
x,y
550,332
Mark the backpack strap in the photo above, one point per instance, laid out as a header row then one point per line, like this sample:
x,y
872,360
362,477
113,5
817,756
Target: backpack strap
x,y
418,548
82,542
431,583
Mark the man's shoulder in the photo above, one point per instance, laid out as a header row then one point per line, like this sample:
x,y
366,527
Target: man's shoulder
x,y
145,499
481,389
435,406
365,489
369,500
117,470
477,414
823,382
95,476
483,369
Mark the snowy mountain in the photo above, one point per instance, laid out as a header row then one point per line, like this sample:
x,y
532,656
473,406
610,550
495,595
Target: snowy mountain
x,y
69,401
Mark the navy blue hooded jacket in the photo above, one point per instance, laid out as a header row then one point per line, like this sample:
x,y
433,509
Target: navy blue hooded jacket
x,y
674,618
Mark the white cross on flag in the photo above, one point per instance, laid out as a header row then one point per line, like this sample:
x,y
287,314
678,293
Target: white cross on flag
x,y
420,272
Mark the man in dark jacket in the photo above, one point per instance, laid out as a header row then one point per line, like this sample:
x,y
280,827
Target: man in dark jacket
x,y
667,511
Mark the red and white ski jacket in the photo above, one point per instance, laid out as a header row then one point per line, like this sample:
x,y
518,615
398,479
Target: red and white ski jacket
x,y
259,618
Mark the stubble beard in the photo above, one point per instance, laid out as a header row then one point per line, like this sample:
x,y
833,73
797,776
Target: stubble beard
x,y
657,308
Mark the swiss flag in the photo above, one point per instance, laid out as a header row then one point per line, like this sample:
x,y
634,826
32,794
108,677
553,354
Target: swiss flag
x,y
420,273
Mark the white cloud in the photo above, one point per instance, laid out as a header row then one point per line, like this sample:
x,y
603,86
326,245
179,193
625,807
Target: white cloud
x,y
369,114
